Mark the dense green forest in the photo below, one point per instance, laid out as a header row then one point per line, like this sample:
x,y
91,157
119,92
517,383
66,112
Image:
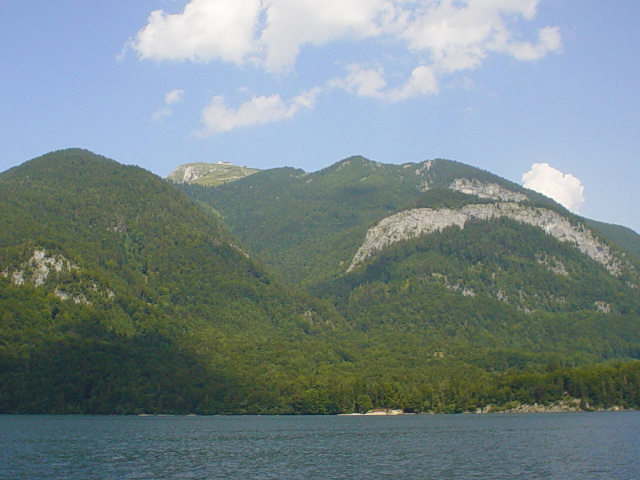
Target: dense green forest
x,y
121,294
622,236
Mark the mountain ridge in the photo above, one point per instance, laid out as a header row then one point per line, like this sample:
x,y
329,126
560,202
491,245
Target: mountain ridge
x,y
120,294
352,188
121,265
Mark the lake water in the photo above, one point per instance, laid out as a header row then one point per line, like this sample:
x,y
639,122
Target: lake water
x,y
510,446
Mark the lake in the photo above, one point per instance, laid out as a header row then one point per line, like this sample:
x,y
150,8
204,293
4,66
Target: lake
x,y
508,446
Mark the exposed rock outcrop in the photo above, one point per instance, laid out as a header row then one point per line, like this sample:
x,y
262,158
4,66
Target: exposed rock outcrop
x,y
186,174
491,191
209,173
454,287
38,267
602,307
421,221
567,404
553,264
41,267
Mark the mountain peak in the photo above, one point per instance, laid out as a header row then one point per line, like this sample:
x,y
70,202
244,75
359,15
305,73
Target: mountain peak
x,y
209,174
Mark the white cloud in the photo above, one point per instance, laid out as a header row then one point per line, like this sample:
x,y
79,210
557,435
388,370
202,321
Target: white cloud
x,y
290,24
371,83
564,188
549,40
461,36
161,113
170,98
456,35
205,30
173,96
430,38
364,82
421,82
217,117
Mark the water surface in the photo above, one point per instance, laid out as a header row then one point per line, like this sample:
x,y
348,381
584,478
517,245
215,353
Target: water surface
x,y
509,446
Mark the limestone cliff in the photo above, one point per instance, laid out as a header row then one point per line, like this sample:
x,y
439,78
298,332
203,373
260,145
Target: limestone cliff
x,y
421,221
486,190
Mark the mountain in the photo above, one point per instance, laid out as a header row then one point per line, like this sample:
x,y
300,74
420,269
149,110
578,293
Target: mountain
x,y
120,294
438,224
209,174
441,270
319,226
427,287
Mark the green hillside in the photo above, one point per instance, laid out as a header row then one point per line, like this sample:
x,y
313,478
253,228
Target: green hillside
x,y
623,236
120,294
494,296
308,225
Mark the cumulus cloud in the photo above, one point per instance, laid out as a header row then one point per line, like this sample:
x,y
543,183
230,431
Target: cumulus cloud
x,y
457,35
205,30
430,38
290,24
564,188
422,82
218,117
367,82
549,39
161,113
460,36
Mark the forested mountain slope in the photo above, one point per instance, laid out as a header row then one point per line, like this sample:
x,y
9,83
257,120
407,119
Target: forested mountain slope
x,y
118,293
623,236
476,233
427,287
441,270
308,225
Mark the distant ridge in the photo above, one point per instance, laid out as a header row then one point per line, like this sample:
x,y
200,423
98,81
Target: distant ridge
x,y
309,226
209,174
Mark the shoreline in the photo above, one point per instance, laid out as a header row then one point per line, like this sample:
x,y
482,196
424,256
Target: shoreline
x,y
570,405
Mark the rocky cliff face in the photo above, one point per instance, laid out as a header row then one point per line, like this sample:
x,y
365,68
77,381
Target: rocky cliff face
x,y
486,190
209,173
37,269
186,173
43,267
421,221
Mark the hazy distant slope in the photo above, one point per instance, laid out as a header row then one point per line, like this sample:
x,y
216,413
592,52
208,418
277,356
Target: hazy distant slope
x,y
623,236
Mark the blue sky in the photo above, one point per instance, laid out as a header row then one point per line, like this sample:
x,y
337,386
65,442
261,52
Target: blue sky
x,y
499,84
